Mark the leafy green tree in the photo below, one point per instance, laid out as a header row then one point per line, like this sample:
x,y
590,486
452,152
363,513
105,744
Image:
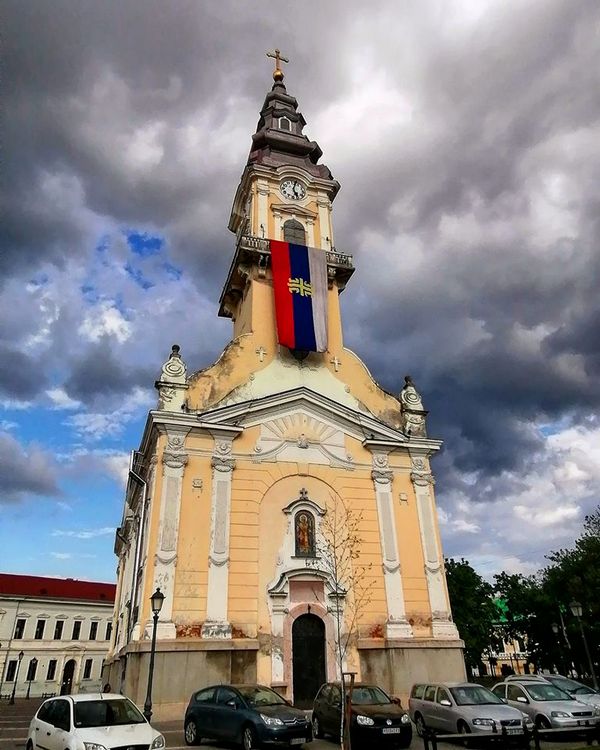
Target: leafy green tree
x,y
473,609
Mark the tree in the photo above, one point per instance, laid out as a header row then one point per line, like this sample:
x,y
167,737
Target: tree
x,y
473,609
338,555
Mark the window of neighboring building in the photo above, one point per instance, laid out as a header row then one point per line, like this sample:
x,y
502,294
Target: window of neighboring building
x,y
58,629
108,631
87,669
304,527
20,627
76,630
51,669
39,630
11,670
93,631
31,670
293,231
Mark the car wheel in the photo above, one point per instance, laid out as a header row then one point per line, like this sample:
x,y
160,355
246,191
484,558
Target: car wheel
x,y
191,733
420,725
316,727
542,722
249,741
463,728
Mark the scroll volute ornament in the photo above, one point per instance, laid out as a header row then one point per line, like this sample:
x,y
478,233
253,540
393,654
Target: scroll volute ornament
x,y
413,412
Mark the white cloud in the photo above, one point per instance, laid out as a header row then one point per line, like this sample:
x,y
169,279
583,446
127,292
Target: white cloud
x,y
6,425
105,319
61,400
94,426
85,533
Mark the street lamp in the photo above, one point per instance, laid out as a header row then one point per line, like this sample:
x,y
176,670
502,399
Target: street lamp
x,y
32,667
12,695
156,602
556,630
577,611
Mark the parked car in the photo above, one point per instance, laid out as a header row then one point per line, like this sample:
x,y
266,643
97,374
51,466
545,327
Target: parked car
x,y
248,715
103,721
579,691
376,720
548,706
463,708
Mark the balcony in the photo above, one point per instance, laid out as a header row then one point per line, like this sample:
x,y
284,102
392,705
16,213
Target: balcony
x,y
256,251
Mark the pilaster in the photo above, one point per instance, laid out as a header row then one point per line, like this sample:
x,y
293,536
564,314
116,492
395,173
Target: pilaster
x,y
174,460
441,623
217,624
397,625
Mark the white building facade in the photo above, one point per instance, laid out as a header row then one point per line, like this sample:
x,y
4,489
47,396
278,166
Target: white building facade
x,y
54,634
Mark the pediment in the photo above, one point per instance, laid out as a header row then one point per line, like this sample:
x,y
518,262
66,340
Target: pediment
x,y
307,419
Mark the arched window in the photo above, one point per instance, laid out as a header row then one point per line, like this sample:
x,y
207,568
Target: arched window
x,y
284,124
293,232
304,534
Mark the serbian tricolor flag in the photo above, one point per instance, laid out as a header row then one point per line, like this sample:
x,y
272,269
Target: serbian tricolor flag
x,y
300,286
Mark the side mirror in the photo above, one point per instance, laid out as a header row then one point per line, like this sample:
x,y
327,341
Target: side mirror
x,y
396,700
231,704
504,700
445,702
522,699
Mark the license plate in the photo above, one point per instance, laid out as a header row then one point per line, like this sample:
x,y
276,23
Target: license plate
x,y
583,722
298,741
391,730
514,731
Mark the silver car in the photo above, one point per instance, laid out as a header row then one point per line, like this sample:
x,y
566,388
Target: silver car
x,y
546,705
464,708
577,690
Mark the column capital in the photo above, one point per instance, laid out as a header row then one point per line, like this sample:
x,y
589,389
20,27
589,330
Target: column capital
x,y
422,480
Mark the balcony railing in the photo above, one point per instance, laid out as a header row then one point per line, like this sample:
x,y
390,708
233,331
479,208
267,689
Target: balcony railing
x,y
263,246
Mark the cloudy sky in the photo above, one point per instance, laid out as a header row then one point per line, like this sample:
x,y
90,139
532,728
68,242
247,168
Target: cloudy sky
x,y
465,136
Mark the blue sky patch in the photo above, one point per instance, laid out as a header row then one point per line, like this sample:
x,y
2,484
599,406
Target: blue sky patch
x,y
138,276
144,244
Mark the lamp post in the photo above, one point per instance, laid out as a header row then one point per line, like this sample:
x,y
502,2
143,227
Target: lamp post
x,y
556,630
32,667
577,611
12,695
156,602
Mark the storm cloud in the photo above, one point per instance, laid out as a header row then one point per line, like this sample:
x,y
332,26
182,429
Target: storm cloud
x,y
465,139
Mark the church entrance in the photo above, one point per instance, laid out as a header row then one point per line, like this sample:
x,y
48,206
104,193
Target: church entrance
x,y
308,658
67,678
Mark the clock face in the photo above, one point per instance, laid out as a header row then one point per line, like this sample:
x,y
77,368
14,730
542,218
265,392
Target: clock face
x,y
293,189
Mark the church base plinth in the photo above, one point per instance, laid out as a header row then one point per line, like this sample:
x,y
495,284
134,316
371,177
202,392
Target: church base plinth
x,y
220,630
164,631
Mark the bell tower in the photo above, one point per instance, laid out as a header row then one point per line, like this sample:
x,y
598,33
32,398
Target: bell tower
x,y
283,194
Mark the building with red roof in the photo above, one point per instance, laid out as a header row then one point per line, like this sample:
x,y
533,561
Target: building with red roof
x,y
54,634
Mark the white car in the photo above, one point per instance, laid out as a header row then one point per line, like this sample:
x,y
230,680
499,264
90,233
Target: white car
x,y
93,721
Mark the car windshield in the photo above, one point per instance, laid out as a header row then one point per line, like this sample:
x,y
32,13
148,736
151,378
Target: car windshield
x,y
572,687
473,695
546,693
111,712
255,695
369,695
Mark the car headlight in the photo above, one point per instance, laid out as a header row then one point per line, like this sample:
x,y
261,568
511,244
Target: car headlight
x,y
157,742
560,714
405,719
596,710
271,721
483,722
93,746
365,721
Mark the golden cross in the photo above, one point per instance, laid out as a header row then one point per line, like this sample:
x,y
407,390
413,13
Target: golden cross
x,y
279,58
301,287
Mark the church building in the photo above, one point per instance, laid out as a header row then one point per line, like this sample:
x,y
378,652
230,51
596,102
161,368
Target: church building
x,y
281,500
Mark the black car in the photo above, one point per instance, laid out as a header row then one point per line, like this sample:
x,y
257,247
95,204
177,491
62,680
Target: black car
x,y
251,715
376,720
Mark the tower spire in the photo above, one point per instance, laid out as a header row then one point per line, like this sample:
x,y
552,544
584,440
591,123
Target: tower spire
x,y
279,58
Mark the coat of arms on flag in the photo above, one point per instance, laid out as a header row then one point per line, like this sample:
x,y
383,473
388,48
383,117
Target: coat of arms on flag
x,y
300,287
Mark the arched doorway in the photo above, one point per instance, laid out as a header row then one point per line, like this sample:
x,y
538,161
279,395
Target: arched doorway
x,y
308,658
66,686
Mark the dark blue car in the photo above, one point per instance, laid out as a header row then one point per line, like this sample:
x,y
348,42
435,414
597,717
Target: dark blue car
x,y
251,715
